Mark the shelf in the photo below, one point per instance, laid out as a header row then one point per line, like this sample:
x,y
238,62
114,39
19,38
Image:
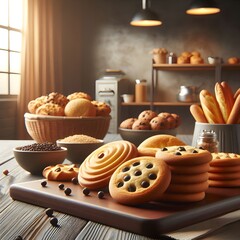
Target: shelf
x,y
189,67
173,104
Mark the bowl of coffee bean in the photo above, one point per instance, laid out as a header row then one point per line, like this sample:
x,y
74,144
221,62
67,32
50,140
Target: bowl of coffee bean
x,y
35,157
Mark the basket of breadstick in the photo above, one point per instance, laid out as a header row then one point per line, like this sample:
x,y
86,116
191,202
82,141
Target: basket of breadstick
x,y
219,112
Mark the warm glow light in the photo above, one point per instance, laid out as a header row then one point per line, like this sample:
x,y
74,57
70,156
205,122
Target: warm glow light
x,y
146,23
203,11
15,11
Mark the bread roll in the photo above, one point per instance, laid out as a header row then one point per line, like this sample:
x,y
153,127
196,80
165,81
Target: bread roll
x,y
210,107
222,99
198,113
235,113
150,146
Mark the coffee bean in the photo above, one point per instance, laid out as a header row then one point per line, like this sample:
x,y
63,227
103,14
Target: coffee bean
x,y
54,221
44,183
6,172
61,186
86,191
100,194
75,180
19,238
49,212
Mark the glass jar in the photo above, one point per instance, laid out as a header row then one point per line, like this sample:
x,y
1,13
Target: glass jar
x,y
172,58
141,91
207,140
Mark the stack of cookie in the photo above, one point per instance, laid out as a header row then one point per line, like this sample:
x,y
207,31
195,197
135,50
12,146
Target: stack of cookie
x,y
224,170
189,168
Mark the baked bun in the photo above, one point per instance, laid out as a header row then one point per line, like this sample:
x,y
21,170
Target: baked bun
x,y
102,109
141,124
56,98
76,95
196,60
150,146
233,60
51,109
80,107
158,123
183,60
61,172
127,124
139,180
97,169
147,115
35,104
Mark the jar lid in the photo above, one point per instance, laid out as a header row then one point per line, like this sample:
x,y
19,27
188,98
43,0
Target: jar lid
x,y
208,134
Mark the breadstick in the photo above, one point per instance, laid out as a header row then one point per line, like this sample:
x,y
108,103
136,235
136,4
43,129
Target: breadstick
x,y
198,113
228,93
235,113
210,107
236,94
223,98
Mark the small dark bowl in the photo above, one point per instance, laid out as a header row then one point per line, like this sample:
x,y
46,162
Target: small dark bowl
x,y
138,136
77,152
35,161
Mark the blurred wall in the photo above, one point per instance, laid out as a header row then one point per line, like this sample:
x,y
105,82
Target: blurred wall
x,y
97,35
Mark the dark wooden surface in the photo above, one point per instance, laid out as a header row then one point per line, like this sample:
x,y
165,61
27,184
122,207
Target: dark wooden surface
x,y
29,221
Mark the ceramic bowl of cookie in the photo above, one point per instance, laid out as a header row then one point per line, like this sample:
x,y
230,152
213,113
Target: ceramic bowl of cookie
x,y
79,146
35,157
138,136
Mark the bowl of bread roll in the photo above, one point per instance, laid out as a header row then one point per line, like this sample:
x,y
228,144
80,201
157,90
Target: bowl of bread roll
x,y
149,123
219,112
56,116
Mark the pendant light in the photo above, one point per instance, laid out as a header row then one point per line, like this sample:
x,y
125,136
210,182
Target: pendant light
x,y
203,7
145,17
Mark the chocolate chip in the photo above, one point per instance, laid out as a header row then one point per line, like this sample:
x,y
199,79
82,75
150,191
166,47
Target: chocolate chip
x,y
101,155
136,164
181,149
67,191
194,151
126,178
178,153
61,186
74,180
70,169
44,183
132,188
58,169
86,191
100,194
120,184
125,169
149,165
152,176
137,173
54,221
164,149
145,184
49,212
6,172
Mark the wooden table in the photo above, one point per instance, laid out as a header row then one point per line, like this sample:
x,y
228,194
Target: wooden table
x,y
30,222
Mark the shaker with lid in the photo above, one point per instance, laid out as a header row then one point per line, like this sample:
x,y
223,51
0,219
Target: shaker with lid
x,y
172,58
207,140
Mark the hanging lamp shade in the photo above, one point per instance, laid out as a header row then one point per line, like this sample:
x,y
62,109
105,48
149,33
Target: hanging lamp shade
x,y
203,7
145,17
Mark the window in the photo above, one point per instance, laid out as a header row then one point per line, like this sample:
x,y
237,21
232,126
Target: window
x,y
10,46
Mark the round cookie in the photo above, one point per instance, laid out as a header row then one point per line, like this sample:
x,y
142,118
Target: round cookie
x,y
76,95
184,155
51,109
102,109
224,176
224,183
150,146
182,198
127,123
60,172
189,179
189,170
147,115
188,188
139,180
225,159
141,124
97,169
159,123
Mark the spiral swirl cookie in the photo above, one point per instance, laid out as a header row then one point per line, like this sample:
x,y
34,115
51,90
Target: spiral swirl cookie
x,y
139,180
60,172
224,170
97,169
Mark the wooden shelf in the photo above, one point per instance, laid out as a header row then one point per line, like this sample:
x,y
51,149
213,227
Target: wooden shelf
x,y
189,67
159,104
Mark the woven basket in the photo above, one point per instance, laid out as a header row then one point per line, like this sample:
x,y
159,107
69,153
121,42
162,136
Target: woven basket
x,y
51,128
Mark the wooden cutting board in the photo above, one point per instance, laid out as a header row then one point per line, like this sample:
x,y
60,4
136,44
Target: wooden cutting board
x,y
152,219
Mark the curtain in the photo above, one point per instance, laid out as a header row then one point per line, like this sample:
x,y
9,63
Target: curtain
x,y
41,54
